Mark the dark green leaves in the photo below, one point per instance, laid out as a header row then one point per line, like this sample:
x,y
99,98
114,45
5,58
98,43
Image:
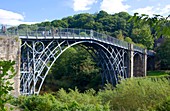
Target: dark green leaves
x,y
7,72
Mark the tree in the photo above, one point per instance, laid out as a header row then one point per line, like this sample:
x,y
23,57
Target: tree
x,y
129,40
159,24
143,36
59,23
163,53
5,84
119,35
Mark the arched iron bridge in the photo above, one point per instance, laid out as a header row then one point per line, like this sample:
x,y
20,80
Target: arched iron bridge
x,y
41,47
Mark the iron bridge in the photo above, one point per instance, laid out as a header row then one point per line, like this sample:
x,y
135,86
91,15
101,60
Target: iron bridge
x,y
40,48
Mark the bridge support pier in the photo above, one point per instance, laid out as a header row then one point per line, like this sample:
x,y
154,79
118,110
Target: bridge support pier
x,y
137,62
131,61
145,62
10,50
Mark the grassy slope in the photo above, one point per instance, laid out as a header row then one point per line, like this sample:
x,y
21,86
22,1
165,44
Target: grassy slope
x,y
158,73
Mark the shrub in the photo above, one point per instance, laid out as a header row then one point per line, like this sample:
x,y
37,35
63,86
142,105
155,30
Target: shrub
x,y
38,103
129,40
136,94
7,72
130,95
164,106
62,101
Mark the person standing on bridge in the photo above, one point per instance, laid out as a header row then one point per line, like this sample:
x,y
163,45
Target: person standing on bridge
x,y
3,29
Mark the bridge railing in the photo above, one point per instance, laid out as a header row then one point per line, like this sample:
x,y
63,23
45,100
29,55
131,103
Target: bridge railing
x,y
151,52
71,33
8,30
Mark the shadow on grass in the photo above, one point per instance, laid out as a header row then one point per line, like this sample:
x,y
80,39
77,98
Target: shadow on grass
x,y
158,73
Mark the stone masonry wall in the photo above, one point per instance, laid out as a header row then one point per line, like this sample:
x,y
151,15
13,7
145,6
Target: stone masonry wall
x,y
10,50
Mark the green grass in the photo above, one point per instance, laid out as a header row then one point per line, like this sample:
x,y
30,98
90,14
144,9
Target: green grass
x,y
158,73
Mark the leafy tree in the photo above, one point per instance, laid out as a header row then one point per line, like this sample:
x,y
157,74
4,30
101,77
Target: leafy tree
x,y
129,40
84,20
5,84
159,24
163,53
119,35
59,23
143,36
101,14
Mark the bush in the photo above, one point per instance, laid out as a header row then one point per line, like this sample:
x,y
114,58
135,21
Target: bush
x,y
164,106
35,103
129,40
62,101
7,72
136,94
129,95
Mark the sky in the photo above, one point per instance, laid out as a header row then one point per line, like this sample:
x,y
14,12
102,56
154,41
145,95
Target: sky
x,y
15,12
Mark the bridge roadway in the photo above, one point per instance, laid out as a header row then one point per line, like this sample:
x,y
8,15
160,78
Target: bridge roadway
x,y
40,48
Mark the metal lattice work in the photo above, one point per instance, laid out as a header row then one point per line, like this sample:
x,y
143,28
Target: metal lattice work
x,y
38,56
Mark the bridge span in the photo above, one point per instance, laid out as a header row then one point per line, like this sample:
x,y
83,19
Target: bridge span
x,y
41,47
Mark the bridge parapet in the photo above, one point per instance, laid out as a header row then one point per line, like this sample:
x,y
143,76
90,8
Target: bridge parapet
x,y
151,52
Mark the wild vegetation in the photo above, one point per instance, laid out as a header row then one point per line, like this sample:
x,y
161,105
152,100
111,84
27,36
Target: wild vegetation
x,y
130,95
5,84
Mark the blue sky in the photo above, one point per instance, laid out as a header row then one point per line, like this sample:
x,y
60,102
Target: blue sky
x,y
14,12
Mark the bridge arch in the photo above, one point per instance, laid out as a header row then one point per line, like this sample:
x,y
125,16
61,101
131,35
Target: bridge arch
x,y
138,66
112,61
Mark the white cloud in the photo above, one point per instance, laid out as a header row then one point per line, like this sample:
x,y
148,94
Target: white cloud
x,y
150,10
146,10
81,5
113,6
12,18
166,10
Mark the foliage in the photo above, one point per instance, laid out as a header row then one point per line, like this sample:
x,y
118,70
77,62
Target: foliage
x,y
158,23
164,106
143,36
158,73
120,35
84,34
163,53
62,101
136,94
140,45
129,40
130,95
5,83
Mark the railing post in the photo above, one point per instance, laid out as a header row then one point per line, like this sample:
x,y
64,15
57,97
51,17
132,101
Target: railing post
x,y
91,34
17,32
73,33
79,34
27,31
67,33
36,33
